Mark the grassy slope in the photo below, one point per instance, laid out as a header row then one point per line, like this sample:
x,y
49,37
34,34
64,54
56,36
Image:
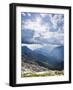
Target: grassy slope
x,y
49,73
34,70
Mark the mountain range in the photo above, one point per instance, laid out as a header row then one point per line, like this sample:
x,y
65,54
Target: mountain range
x,y
48,57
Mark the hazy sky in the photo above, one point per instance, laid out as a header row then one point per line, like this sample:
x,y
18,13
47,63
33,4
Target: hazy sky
x,y
42,28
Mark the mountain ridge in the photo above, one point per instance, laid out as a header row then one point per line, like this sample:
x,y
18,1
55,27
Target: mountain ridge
x,y
49,62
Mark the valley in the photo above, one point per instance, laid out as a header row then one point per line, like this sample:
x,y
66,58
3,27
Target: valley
x,y
42,62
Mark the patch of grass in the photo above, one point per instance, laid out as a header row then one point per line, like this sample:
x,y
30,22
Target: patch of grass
x,y
49,73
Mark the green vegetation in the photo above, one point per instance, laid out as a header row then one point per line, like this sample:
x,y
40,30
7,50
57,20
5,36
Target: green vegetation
x,y
32,69
49,73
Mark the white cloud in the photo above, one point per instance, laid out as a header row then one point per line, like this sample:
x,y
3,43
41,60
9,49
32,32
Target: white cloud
x,y
23,14
29,14
55,20
43,15
33,46
42,30
35,25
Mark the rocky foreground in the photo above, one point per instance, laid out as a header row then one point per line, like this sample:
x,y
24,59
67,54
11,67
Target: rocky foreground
x,y
33,69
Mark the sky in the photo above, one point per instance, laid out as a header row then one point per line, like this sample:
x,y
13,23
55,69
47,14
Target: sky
x,y
42,28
